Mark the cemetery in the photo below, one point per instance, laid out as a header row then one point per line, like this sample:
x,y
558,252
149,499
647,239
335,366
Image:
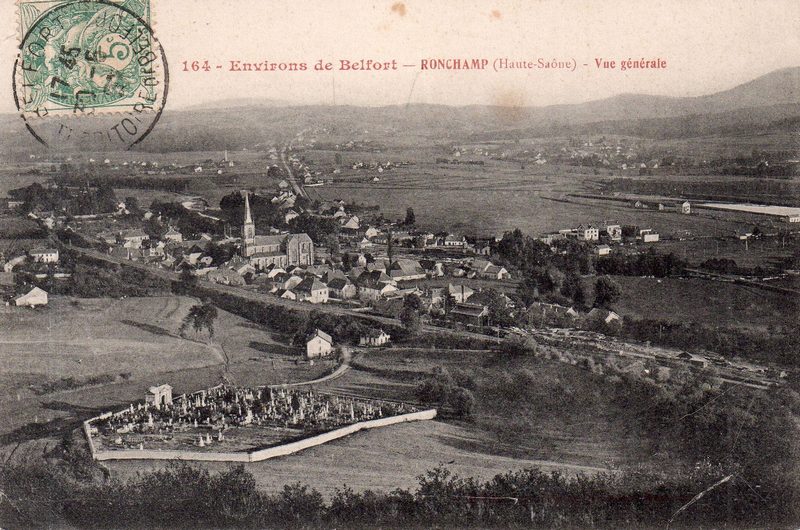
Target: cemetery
x,y
236,423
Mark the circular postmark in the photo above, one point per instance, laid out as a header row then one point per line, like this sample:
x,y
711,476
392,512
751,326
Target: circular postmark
x,y
90,74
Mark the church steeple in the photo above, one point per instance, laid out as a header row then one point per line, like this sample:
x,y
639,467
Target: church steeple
x,y
248,219
248,228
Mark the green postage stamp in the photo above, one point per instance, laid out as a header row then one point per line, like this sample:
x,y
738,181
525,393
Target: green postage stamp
x,y
84,58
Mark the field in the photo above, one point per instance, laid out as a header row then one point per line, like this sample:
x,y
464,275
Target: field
x,y
706,302
113,350
500,196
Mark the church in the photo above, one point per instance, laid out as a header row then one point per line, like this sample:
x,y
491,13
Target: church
x,y
282,250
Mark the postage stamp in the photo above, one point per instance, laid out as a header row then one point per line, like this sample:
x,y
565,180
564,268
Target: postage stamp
x,y
96,60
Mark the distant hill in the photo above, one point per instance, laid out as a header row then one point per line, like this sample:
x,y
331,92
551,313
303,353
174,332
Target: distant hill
x,y
768,103
238,103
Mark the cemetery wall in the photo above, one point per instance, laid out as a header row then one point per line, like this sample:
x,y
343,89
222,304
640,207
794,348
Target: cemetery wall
x,y
254,456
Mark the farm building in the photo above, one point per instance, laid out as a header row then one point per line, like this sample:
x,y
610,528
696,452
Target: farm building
x,y
32,298
374,338
320,344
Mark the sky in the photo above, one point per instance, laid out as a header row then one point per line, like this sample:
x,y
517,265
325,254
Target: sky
x,y
708,46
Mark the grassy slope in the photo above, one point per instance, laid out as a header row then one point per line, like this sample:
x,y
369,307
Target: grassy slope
x,y
106,336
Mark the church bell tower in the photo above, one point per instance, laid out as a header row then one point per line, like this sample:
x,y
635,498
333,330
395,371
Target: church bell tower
x,y
248,228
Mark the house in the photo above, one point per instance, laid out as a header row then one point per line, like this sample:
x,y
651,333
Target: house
x,y
605,315
7,283
684,207
371,232
342,288
285,294
311,290
44,255
320,344
225,277
603,250
289,215
472,314
648,236
374,285
239,265
700,362
374,338
488,270
133,238
274,270
433,269
406,270
549,239
107,237
589,233
352,224
331,274
487,296
356,259
286,280
34,297
451,240
172,235
483,248
614,232
459,293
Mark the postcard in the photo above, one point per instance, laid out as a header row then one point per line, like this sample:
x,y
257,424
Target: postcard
x,y
399,264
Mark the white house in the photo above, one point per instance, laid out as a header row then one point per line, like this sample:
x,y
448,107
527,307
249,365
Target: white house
x,y
614,232
374,338
603,250
45,255
588,233
311,290
32,298
648,236
320,344
684,207
133,238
